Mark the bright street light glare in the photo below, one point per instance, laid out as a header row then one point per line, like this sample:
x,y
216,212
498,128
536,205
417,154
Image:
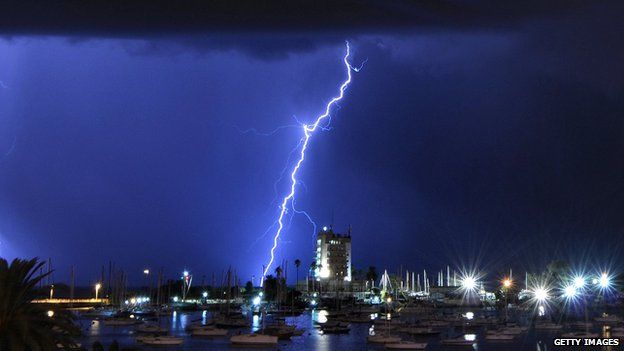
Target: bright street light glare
x,y
469,283
569,291
540,294
579,282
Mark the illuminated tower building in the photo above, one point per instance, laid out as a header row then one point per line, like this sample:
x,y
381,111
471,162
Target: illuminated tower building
x,y
333,256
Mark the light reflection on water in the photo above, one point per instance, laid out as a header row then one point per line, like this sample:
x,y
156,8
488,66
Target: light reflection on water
x,y
319,316
95,327
256,323
184,321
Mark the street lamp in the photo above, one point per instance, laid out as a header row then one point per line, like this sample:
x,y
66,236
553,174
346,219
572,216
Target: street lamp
x,y
570,292
541,294
604,281
579,282
148,285
98,286
469,283
506,285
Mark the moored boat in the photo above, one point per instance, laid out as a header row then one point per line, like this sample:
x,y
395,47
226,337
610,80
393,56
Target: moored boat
x,y
608,319
254,339
547,326
208,331
499,336
582,325
335,328
514,330
121,322
407,345
161,340
460,341
420,331
383,339
579,335
150,329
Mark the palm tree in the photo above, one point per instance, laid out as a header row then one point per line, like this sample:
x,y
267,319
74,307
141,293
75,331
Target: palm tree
x,y
25,325
297,264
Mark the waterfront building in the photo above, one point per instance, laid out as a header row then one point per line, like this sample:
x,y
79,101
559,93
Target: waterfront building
x,y
333,256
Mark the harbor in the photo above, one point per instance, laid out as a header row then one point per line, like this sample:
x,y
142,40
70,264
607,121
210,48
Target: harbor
x,y
329,175
432,330
454,310
333,304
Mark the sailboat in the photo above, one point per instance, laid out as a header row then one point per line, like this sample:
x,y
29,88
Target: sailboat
x,y
229,320
150,329
255,339
208,330
384,339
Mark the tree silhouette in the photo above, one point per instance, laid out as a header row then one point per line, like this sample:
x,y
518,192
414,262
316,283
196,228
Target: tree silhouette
x,y
25,325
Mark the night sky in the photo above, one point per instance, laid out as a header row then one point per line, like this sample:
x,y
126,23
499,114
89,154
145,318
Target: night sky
x,y
490,140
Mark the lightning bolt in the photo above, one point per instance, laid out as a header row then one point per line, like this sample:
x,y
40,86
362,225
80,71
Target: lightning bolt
x,y
308,131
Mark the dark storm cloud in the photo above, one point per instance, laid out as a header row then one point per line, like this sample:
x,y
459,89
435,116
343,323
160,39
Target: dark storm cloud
x,y
257,45
109,18
272,29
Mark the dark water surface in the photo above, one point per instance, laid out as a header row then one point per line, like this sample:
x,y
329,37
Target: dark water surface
x,y
312,339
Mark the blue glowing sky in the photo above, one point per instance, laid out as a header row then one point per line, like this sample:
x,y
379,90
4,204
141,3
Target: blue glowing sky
x,y
451,146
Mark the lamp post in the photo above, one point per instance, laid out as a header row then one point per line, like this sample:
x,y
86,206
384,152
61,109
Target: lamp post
x,y
98,286
507,282
148,286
